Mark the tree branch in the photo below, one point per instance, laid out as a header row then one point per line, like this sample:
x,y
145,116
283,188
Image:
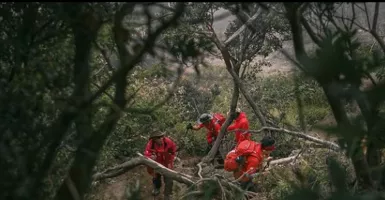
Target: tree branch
x,y
243,27
141,160
375,16
105,55
237,83
174,175
310,31
302,135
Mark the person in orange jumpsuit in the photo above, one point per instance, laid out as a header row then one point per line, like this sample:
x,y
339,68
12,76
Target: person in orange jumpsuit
x,y
252,163
213,123
162,150
241,126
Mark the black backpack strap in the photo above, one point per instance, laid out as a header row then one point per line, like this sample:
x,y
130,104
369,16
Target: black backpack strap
x,y
152,145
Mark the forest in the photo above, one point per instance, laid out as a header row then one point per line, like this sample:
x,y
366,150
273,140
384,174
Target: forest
x,y
83,85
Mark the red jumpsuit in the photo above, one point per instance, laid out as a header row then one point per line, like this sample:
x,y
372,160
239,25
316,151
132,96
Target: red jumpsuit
x,y
165,155
242,124
252,164
213,129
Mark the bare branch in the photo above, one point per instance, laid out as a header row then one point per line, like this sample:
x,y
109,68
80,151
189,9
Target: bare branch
x,y
367,15
375,16
310,32
141,160
105,92
225,54
302,135
150,40
71,186
105,55
353,21
243,27
353,17
283,160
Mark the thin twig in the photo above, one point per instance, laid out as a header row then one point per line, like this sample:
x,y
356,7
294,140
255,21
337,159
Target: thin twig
x,y
200,170
222,189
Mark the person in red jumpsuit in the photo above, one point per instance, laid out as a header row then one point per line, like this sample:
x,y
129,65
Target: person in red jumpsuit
x,y
252,163
162,150
213,125
241,126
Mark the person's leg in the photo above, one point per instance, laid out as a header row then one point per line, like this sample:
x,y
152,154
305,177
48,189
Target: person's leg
x,y
219,158
157,183
168,184
208,148
247,185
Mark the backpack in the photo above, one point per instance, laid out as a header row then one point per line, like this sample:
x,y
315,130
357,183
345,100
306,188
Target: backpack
x,y
220,119
230,163
246,147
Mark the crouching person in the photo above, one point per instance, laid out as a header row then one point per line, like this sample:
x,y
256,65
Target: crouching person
x,y
247,158
162,150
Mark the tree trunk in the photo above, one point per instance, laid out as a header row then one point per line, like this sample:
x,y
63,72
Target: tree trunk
x,y
85,28
361,167
293,12
80,175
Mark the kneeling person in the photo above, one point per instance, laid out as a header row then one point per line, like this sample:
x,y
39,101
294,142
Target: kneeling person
x,y
247,158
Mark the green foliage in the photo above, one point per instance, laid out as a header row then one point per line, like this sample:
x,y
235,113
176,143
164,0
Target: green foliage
x,y
309,176
276,93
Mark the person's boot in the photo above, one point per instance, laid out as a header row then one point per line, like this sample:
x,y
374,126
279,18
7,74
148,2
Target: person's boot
x,y
155,192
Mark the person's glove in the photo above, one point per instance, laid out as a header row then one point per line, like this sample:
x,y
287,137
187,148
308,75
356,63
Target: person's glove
x,y
153,157
189,126
249,176
240,159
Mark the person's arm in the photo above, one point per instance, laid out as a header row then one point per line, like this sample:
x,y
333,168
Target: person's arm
x,y
209,137
253,163
148,152
172,149
217,128
197,127
232,127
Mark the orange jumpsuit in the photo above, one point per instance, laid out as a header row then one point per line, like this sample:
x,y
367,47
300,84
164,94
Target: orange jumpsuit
x,y
242,124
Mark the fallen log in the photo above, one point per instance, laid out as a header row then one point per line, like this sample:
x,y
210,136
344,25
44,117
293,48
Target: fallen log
x,y
177,176
141,160
283,160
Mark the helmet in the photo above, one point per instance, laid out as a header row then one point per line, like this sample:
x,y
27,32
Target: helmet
x,y
155,134
205,117
267,141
